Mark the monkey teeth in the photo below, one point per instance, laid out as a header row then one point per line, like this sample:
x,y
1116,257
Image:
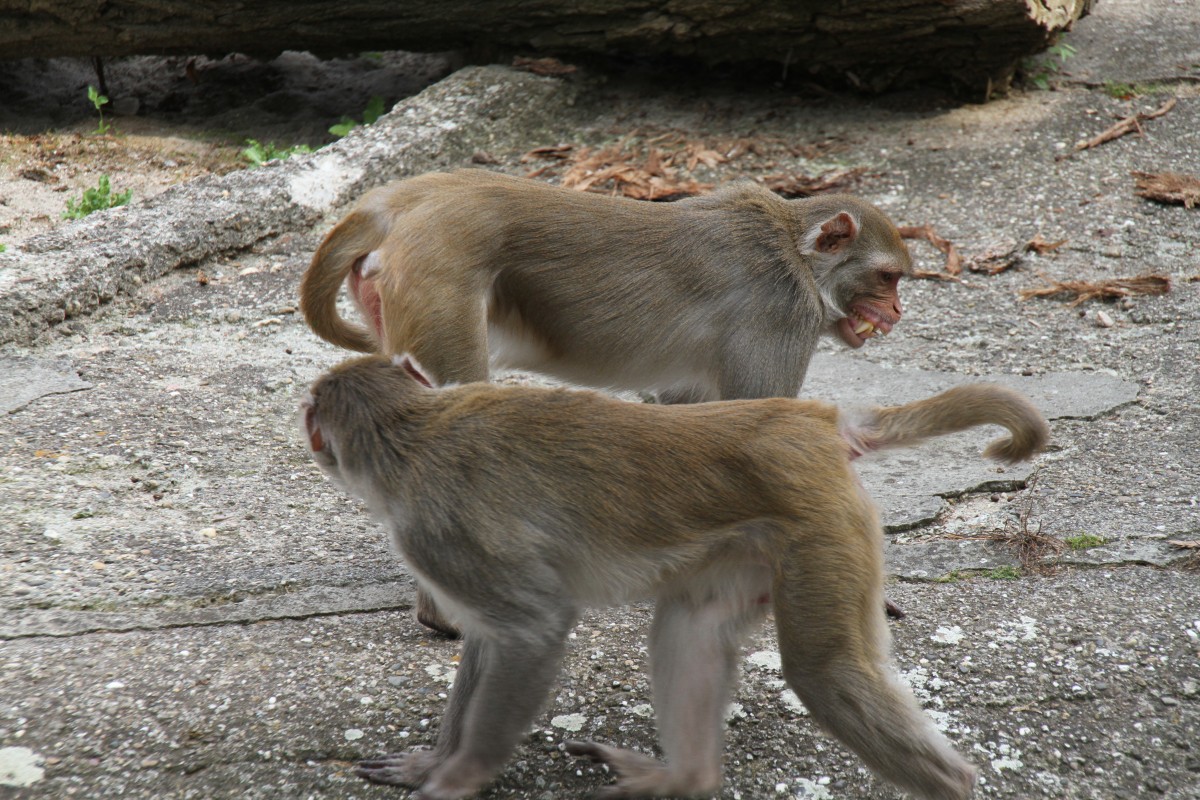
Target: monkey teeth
x,y
865,329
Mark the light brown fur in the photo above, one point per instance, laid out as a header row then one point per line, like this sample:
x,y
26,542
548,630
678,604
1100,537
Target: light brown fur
x,y
716,297
519,507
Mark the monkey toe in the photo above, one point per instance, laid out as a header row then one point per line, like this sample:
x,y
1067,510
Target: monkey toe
x,y
390,776
399,769
894,611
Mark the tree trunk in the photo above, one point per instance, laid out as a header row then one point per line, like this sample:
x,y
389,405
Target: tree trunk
x,y
874,44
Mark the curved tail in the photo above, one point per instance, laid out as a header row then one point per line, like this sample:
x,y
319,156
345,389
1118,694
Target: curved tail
x,y
954,410
352,239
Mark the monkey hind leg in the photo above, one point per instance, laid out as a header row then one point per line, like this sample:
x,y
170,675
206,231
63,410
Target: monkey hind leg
x,y
834,647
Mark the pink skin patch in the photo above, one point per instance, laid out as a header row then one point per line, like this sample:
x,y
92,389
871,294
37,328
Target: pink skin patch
x,y
363,290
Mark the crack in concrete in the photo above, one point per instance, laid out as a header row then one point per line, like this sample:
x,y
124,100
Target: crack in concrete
x,y
315,601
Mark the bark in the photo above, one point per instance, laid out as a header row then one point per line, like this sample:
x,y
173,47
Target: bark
x,y
875,44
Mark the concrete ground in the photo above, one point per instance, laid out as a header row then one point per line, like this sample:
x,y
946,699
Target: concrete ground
x,y
191,610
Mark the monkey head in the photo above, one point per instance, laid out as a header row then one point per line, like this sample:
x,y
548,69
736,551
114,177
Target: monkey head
x,y
355,401
858,260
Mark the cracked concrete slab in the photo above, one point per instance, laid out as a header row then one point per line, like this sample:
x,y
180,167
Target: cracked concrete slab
x,y
23,380
910,485
198,613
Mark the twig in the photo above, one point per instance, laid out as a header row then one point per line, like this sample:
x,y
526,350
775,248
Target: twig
x,y
1110,289
1122,127
953,266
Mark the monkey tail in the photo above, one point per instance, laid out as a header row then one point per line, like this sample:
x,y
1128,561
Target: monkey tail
x,y
352,239
955,410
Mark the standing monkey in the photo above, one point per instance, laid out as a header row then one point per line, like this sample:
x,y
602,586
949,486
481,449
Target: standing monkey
x,y
711,298
519,507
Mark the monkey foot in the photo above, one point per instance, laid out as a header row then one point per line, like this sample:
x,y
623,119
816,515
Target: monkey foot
x,y
642,776
399,769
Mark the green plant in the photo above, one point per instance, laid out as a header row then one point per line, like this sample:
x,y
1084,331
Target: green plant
x,y
1085,541
1040,71
99,100
1005,573
953,576
97,199
258,153
3,247
1119,91
372,112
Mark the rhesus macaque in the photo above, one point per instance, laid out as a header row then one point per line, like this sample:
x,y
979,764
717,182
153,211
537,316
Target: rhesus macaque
x,y
712,298
716,297
519,507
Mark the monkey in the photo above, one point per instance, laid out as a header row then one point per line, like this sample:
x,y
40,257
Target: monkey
x,y
717,297
518,507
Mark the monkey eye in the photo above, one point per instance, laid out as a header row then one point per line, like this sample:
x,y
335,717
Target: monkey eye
x,y
888,278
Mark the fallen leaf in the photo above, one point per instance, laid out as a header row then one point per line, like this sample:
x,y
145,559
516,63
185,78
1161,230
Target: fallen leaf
x,y
953,266
799,185
996,259
1108,289
543,66
1192,544
202,277
1041,246
483,157
559,151
1168,187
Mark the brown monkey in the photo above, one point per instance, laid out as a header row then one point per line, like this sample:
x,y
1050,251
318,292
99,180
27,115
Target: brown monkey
x,y
712,298
519,507
716,297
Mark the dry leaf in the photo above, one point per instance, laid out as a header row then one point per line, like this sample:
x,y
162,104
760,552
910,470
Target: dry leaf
x,y
1124,126
799,185
202,277
483,157
559,151
996,259
953,264
542,66
1041,246
1168,187
1109,289
1193,544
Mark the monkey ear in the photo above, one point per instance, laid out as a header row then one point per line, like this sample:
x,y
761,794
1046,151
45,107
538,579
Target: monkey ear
x,y
413,368
316,442
837,233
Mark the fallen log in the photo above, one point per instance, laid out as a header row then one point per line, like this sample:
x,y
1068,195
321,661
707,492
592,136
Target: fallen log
x,y
871,44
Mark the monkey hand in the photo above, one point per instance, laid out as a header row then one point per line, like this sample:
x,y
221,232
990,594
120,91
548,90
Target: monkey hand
x,y
642,776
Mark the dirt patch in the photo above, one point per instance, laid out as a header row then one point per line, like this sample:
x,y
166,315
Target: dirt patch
x,y
172,119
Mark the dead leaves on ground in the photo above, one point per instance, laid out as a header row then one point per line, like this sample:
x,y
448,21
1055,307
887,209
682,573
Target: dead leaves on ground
x,y
797,185
1168,187
661,167
1121,127
1112,289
